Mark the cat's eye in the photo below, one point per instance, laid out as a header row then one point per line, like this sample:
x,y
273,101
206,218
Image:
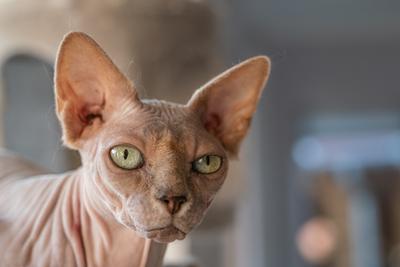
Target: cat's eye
x,y
207,164
126,157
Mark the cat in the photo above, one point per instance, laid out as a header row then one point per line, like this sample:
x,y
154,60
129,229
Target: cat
x,y
150,168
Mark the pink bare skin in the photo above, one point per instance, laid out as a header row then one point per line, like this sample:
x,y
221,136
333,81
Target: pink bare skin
x,y
174,160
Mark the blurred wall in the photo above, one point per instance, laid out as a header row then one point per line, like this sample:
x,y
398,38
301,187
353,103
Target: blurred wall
x,y
327,58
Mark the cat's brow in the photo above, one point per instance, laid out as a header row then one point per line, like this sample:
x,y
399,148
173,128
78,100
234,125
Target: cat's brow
x,y
165,110
159,131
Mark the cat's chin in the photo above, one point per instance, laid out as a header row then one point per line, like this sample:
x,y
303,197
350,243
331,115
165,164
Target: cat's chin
x,y
165,235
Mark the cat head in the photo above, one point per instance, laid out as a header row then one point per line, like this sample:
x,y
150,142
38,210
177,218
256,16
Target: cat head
x,y
155,166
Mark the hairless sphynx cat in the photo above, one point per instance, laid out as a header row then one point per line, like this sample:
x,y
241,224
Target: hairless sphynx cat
x,y
150,168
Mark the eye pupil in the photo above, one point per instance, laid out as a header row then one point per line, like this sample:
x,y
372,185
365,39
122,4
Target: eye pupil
x,y
126,154
126,157
207,164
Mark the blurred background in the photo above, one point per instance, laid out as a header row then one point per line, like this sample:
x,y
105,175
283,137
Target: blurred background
x,y
318,181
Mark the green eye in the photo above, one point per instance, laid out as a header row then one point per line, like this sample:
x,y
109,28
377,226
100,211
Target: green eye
x,y
126,157
207,164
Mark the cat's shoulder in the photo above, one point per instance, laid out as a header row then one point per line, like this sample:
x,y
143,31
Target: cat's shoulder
x,y
12,164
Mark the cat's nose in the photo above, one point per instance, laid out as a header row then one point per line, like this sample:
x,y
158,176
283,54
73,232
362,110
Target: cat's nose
x,y
173,203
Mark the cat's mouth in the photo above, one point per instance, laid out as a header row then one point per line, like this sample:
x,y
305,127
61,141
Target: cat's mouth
x,y
165,234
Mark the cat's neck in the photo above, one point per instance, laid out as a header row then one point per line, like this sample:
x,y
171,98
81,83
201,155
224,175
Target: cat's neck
x,y
105,241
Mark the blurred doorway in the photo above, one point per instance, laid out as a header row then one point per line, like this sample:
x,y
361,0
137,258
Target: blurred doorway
x,y
30,124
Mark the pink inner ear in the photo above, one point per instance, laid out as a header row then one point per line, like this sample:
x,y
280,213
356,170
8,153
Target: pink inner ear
x,y
89,113
212,123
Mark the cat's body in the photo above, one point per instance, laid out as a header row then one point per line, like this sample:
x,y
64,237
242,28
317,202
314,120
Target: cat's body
x,y
46,220
150,169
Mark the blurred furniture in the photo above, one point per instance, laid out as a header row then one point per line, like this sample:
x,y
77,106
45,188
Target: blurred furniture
x,y
351,178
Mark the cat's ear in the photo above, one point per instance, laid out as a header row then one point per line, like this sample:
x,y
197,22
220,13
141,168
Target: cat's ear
x,y
88,88
228,102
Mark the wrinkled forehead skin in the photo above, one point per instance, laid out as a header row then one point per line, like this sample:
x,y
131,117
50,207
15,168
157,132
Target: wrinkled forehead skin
x,y
162,129
170,137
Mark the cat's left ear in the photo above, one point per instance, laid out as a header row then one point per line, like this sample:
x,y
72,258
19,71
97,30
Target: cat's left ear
x,y
88,88
228,102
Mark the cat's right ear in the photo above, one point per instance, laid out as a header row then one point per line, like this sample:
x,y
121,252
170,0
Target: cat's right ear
x,y
88,88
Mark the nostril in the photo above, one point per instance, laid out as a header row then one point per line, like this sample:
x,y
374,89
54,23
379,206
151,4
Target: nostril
x,y
180,199
177,199
173,203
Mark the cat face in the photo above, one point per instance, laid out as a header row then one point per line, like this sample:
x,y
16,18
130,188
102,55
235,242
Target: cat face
x,y
155,166
163,196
